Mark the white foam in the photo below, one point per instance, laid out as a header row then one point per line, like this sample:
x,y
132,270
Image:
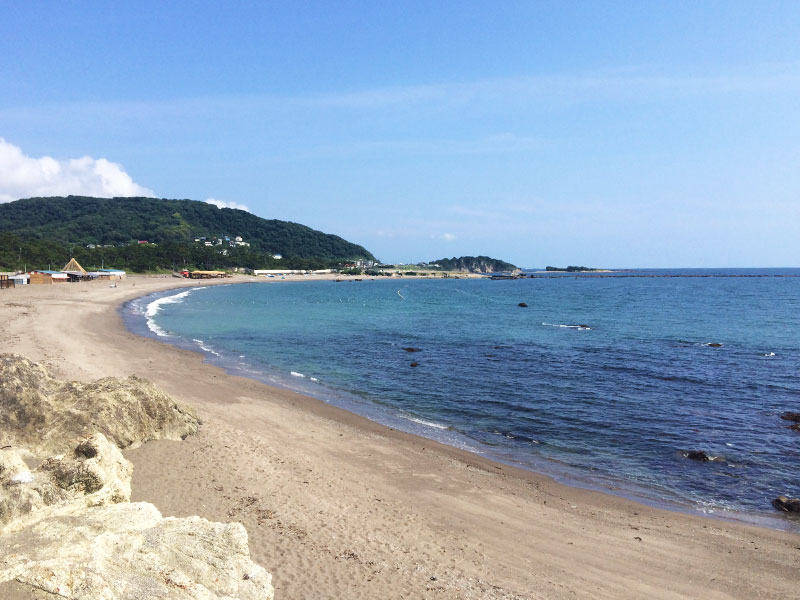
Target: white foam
x,y
205,348
296,374
578,327
314,379
423,422
154,307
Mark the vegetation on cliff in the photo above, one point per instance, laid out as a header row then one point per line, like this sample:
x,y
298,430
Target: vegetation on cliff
x,y
473,264
571,269
107,231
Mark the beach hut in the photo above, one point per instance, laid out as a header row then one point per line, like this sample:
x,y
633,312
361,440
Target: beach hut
x,y
20,278
74,270
107,274
6,281
207,274
48,277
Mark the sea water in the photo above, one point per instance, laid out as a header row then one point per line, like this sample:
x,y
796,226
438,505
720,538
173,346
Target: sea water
x,y
603,380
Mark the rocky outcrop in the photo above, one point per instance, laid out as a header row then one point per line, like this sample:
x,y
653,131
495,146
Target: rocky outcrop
x,y
128,552
697,455
67,527
94,474
787,504
44,414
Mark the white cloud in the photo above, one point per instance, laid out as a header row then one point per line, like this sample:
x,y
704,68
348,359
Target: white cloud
x,y
23,176
223,204
448,237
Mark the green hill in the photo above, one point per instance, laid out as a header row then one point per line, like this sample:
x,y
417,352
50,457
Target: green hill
x,y
48,230
474,264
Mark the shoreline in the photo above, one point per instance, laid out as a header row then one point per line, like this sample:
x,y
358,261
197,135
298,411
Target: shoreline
x,y
337,505
560,474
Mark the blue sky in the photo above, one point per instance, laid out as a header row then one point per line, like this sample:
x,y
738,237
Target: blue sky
x,y
624,134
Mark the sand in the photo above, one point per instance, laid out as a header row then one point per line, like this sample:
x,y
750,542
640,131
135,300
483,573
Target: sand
x,y
338,507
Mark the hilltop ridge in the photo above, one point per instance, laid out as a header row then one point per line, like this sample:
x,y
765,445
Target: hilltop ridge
x,y
55,228
474,264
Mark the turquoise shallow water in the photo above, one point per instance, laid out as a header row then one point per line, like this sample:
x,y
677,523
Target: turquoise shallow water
x,y
613,405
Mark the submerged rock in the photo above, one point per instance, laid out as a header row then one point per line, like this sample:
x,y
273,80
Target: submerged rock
x,y
414,364
791,416
44,414
522,305
411,349
787,504
714,345
697,455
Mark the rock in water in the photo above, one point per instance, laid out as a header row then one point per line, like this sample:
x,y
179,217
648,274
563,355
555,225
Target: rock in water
x,y
43,414
410,349
697,455
791,416
787,504
128,551
522,305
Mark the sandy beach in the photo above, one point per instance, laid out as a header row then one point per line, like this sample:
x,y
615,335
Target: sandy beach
x,y
336,506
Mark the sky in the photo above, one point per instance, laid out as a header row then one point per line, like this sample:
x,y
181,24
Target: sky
x,y
606,134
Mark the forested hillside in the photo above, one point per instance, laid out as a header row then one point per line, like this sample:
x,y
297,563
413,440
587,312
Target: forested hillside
x,y
83,220
41,231
474,264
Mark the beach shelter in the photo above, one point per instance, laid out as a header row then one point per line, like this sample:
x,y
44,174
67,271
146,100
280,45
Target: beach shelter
x,y
74,267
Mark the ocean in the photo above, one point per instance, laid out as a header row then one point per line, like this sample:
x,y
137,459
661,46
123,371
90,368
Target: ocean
x,y
604,381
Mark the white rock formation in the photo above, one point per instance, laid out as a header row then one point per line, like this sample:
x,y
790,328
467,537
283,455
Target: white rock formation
x,y
129,552
94,474
44,414
67,527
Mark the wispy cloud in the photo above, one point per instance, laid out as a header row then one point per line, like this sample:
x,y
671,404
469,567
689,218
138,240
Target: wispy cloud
x,y
490,144
224,204
615,84
625,82
23,176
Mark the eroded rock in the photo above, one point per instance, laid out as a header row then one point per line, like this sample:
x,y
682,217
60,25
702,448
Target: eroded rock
x,y
697,455
96,473
787,504
68,528
128,551
44,414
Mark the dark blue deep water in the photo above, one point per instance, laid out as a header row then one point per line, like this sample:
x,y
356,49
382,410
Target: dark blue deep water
x,y
613,405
